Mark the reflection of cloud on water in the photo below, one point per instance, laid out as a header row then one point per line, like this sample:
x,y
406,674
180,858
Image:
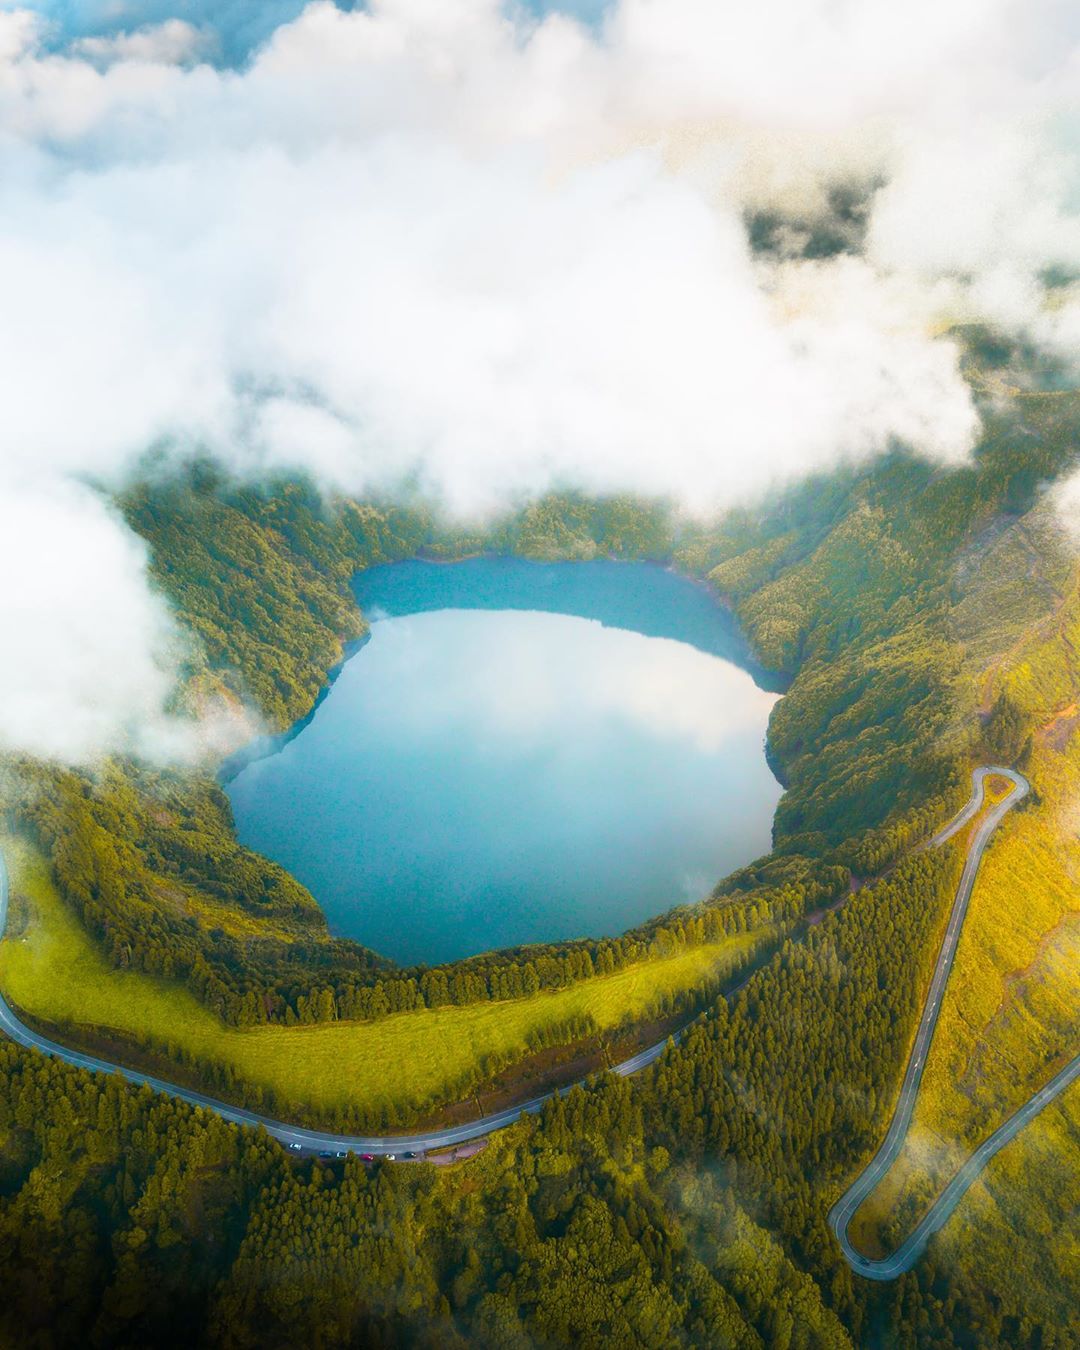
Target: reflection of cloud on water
x,y
521,776
519,675
675,691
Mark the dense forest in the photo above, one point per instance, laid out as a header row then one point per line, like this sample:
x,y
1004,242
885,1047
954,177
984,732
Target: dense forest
x,y
685,1207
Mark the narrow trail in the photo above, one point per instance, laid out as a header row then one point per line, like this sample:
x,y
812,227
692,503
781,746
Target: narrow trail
x,y
840,1216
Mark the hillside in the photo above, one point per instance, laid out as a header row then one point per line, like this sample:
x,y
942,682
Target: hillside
x,y
925,620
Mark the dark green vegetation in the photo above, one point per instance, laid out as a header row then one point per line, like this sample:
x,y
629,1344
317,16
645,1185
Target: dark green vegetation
x,y
622,1217
686,1208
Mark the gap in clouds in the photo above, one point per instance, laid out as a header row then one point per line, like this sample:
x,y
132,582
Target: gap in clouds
x,y
226,31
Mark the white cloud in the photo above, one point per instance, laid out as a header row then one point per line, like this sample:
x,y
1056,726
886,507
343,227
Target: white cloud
x,y
497,254
90,652
173,42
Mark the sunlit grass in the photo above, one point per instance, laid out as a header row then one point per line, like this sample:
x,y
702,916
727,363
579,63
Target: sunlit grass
x,y
997,788
52,970
1009,1015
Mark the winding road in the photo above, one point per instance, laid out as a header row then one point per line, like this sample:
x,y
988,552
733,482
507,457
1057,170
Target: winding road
x,y
292,1136
840,1216
887,1268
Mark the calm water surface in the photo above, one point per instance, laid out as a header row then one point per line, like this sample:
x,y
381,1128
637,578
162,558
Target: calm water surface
x,y
520,752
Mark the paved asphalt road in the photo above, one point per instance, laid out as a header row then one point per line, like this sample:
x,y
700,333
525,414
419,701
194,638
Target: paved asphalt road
x,y
313,1141
308,1141
905,1256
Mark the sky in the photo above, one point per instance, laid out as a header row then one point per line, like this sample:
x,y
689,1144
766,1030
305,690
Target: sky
x,y
233,28
689,248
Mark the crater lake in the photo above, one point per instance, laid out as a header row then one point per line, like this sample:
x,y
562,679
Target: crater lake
x,y
519,752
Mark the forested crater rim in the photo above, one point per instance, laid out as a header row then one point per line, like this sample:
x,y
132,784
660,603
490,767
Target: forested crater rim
x,y
450,799
711,603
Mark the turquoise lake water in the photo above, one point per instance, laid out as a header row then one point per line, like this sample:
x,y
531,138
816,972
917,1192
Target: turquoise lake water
x,y
520,752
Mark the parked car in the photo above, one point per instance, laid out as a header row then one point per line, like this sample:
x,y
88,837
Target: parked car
x,y
367,1157
295,1148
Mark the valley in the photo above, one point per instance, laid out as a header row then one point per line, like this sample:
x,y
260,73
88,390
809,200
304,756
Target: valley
x,y
540,678
899,608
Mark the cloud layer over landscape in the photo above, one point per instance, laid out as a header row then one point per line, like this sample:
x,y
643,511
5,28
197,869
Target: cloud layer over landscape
x,y
488,252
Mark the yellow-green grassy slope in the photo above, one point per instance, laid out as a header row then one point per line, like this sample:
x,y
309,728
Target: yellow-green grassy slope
x,y
1008,1021
1011,1012
51,970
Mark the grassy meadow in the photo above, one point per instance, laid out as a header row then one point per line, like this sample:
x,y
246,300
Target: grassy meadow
x,y
1008,1018
51,969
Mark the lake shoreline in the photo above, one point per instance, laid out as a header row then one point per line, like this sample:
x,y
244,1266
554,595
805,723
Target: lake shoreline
x,y
633,692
